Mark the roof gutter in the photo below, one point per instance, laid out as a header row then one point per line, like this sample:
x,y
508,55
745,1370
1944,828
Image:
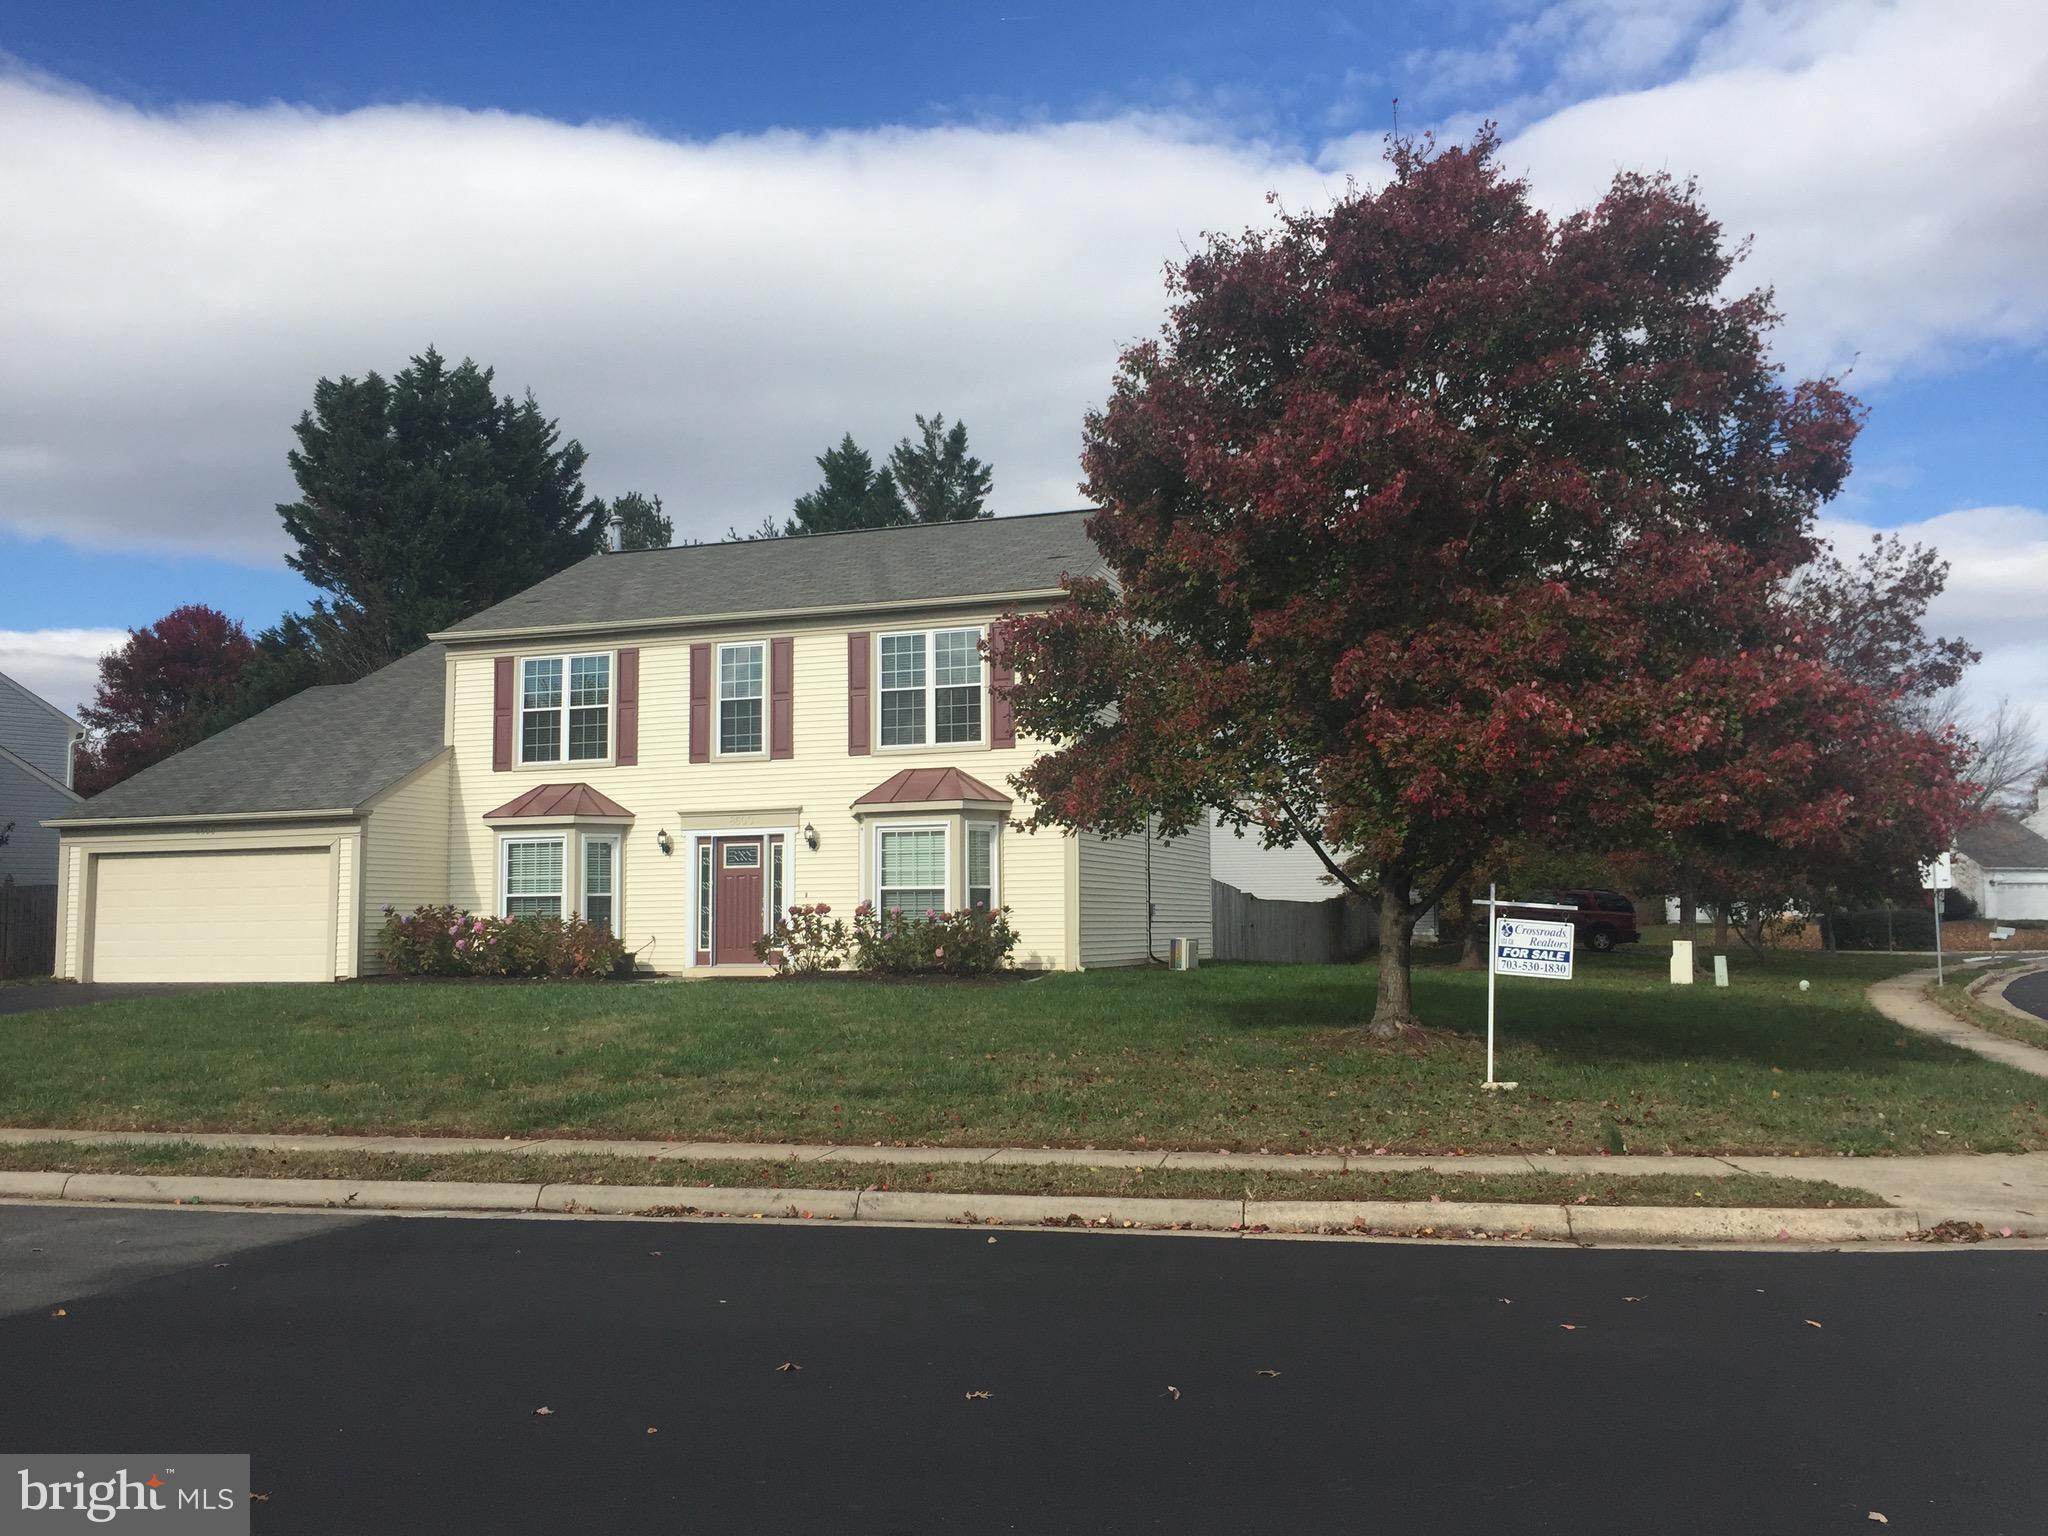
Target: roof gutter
x,y
86,823
746,616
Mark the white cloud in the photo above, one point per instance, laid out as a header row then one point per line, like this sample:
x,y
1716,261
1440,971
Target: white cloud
x,y
1998,573
57,665
707,316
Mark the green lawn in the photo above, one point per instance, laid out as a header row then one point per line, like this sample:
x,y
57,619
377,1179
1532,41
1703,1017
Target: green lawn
x,y
1240,1057
1664,1189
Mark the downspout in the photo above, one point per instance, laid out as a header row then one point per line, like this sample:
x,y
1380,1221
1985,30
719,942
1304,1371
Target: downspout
x,y
1149,908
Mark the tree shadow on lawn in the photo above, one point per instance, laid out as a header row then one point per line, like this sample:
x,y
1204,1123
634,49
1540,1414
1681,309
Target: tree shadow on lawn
x,y
1621,1013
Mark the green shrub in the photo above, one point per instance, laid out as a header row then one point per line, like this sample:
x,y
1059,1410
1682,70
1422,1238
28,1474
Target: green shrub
x,y
447,941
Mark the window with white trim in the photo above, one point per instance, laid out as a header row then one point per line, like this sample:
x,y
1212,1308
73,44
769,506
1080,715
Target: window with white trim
x,y
565,703
532,870
776,910
601,881
704,895
741,672
931,688
911,870
981,865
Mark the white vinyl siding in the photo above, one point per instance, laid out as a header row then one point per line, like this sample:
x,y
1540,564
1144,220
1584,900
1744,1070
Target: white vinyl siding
x,y
28,799
533,872
565,699
1113,896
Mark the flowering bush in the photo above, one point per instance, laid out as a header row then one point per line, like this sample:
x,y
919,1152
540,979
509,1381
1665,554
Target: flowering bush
x,y
809,941
970,942
804,943
445,941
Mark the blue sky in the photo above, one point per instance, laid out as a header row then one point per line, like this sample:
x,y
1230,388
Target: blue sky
x,y
712,237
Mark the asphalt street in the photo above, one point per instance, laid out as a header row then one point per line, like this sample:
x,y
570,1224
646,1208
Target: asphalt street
x,y
2030,993
386,1375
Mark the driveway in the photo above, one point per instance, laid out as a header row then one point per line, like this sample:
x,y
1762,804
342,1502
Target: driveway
x,y
37,996
2030,993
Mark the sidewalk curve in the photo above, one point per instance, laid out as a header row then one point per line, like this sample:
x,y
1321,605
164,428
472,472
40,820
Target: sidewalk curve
x,y
1904,1000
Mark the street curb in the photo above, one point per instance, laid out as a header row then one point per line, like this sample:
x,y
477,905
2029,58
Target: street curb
x,y
1993,997
1585,1225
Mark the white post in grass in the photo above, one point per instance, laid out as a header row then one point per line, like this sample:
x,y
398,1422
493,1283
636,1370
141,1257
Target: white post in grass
x,y
1492,943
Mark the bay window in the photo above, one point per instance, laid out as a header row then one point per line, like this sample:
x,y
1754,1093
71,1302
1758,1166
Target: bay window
x,y
911,865
531,871
601,882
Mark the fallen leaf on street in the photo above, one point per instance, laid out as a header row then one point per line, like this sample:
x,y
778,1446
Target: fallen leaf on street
x,y
1880,1519
1174,1393
652,1430
991,1239
60,1312
1811,1323
541,1413
1569,1327
1632,1298
979,1397
789,1365
1507,1301
1269,1373
260,1498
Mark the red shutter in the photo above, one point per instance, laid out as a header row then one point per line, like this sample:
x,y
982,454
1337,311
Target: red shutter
x,y
1002,718
781,685
501,714
700,703
857,695
626,746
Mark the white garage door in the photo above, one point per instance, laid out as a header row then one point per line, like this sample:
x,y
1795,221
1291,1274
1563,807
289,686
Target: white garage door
x,y
257,916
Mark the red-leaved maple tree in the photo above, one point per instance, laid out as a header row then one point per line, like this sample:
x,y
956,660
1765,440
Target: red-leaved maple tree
x,y
1437,521
157,692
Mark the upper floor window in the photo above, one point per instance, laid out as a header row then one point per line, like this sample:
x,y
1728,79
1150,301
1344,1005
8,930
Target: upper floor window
x,y
931,687
565,702
741,669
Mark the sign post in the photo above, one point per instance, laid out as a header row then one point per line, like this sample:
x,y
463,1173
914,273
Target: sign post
x,y
1520,946
1938,876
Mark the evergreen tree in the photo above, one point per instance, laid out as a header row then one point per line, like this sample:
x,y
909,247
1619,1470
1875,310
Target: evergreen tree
x,y
938,478
642,523
854,495
424,498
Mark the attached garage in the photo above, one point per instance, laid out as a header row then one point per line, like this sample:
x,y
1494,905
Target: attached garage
x,y
268,852
256,915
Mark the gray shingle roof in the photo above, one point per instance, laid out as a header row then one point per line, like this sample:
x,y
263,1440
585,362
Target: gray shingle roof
x,y
915,563
2000,841
324,749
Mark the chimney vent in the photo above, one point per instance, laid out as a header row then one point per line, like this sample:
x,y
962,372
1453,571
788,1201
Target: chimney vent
x,y
614,533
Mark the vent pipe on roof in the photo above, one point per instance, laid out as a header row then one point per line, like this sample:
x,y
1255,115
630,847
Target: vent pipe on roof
x,y
614,534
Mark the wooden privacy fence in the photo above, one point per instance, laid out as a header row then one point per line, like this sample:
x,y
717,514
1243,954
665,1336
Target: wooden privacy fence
x,y
28,929
1289,932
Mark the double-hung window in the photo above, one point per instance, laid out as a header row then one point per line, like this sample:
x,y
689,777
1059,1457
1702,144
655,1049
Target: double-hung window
x,y
601,882
981,865
741,669
931,688
532,870
912,870
565,708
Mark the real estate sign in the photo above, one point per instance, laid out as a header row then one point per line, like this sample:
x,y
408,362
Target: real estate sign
x,y
1525,948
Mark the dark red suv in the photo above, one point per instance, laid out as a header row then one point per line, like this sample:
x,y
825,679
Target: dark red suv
x,y
1602,920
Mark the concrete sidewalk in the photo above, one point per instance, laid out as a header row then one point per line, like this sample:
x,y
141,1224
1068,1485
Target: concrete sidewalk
x,y
1904,1000
1996,1189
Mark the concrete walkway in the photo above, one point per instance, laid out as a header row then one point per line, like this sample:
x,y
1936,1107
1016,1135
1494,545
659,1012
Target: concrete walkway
x,y
1998,1190
1904,1000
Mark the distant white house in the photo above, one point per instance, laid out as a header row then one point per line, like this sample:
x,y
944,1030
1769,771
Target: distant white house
x,y
2001,864
36,742
1241,859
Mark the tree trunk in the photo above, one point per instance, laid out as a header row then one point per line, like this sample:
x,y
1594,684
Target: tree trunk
x,y
1721,925
1472,944
1689,913
1395,1010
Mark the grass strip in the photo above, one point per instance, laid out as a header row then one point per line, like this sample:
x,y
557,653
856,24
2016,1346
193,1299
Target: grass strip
x,y
1662,1189
1961,1000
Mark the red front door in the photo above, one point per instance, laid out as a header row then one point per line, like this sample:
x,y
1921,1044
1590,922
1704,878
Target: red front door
x,y
737,906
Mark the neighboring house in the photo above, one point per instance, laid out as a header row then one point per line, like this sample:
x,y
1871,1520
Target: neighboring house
x,y
1240,858
2038,822
677,742
2001,864
36,741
